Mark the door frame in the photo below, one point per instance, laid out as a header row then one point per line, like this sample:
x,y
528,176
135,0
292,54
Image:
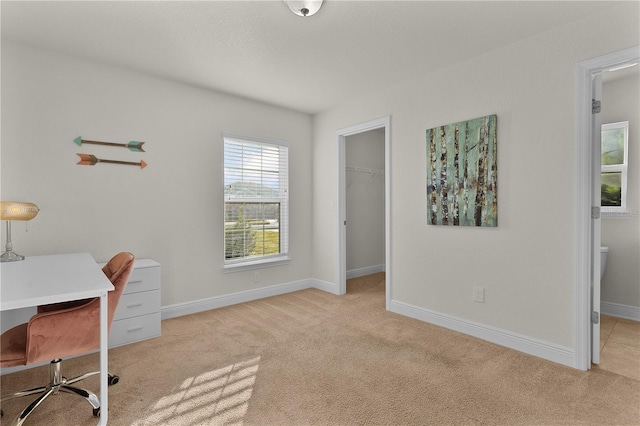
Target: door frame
x,y
584,170
341,137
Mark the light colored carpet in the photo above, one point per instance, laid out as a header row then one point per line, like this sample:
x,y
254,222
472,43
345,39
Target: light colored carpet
x,y
312,358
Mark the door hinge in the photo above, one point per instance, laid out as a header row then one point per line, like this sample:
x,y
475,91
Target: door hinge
x,y
596,106
595,212
595,317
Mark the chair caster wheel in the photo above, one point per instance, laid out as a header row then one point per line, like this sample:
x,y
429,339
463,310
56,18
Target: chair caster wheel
x,y
96,412
113,380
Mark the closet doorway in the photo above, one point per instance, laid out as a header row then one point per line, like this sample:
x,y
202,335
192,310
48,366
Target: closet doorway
x,y
364,206
588,195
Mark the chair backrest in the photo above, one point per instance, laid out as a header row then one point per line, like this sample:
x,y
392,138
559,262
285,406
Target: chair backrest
x,y
118,270
72,328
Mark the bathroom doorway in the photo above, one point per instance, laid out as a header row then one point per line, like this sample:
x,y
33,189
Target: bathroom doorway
x,y
588,194
620,229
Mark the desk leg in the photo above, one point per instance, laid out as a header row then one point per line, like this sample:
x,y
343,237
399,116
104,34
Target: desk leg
x,y
104,365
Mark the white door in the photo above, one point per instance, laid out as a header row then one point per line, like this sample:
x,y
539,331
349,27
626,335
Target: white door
x,y
596,134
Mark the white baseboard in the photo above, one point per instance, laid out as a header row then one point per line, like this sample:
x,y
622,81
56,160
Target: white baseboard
x,y
180,309
367,270
326,286
201,305
620,311
549,351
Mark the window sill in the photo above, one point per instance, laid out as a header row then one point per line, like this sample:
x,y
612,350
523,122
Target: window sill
x,y
619,215
257,264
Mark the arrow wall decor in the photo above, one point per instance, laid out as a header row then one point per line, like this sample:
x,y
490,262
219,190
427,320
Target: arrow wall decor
x,y
132,145
92,160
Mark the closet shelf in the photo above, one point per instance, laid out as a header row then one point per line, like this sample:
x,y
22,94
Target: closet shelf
x,y
365,170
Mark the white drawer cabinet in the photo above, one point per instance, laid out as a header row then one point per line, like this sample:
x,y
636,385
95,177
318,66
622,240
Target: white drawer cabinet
x,y
138,314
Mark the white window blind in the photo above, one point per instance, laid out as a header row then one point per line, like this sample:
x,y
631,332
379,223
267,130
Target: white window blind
x,y
256,198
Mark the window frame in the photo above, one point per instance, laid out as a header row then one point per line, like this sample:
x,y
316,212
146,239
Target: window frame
x,y
612,211
281,258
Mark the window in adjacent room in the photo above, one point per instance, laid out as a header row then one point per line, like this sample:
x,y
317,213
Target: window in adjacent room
x,y
614,167
256,202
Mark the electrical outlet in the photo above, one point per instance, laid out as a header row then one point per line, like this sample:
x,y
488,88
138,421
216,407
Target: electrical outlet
x,y
478,294
256,277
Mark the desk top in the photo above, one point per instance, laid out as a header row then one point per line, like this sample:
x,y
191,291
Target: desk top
x,y
40,280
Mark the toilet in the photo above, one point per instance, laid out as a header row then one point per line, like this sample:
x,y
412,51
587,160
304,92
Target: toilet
x,y
604,251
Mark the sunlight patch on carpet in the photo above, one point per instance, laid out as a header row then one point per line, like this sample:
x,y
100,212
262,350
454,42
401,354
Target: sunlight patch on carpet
x,y
219,396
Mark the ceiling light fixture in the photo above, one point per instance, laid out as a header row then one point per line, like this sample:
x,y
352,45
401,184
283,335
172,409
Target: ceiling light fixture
x,y
304,7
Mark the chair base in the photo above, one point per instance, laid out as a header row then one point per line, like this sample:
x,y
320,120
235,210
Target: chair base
x,y
58,384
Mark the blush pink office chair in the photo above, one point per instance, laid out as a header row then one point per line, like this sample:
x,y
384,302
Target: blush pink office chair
x,y
61,330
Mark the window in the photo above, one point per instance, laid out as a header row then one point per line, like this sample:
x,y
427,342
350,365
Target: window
x,y
256,202
614,167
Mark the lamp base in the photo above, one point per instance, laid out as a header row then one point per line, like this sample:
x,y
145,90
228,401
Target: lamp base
x,y
9,256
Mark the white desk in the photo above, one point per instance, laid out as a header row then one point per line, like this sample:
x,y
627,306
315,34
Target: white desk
x,y
39,280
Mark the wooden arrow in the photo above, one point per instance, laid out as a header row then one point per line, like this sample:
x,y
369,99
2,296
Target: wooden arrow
x,y
92,160
133,145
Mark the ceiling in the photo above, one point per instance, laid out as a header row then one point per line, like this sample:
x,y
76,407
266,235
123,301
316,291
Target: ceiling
x,y
260,50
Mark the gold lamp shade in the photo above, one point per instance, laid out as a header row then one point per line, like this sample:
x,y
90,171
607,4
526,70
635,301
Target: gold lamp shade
x,y
15,210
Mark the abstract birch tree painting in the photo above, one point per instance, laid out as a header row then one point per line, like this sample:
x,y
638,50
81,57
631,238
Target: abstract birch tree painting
x,y
462,173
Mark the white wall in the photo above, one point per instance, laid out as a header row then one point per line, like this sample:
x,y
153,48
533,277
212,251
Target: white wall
x,y
365,203
526,264
621,281
172,211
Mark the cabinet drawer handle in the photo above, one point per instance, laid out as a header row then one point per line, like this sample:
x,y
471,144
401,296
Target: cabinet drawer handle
x,y
134,282
134,305
130,330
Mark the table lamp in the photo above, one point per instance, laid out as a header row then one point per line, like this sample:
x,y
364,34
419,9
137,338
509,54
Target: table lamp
x,y
15,210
